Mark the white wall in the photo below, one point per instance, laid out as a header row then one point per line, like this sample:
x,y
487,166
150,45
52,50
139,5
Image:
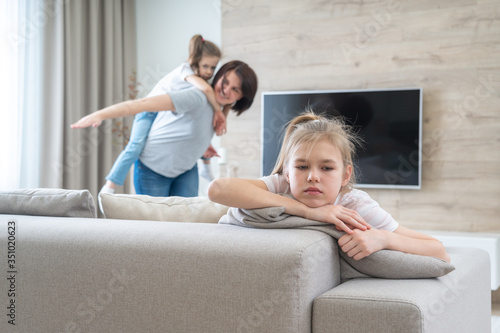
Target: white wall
x,y
164,28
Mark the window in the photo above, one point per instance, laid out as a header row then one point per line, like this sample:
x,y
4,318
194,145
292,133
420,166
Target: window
x,y
10,95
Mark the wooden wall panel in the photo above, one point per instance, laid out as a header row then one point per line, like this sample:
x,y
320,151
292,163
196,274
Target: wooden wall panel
x,y
449,48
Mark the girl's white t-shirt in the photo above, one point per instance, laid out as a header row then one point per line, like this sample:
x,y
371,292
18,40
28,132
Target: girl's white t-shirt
x,y
355,199
173,81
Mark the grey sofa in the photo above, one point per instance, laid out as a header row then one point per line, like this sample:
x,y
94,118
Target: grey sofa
x,y
97,275
72,274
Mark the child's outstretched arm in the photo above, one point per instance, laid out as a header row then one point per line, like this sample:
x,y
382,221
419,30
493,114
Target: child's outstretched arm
x,y
251,194
360,244
153,104
219,119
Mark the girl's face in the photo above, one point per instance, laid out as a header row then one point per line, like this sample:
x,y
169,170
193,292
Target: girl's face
x,y
206,66
228,89
316,175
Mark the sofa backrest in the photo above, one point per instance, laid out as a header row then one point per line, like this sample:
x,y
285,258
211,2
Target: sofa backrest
x,y
97,275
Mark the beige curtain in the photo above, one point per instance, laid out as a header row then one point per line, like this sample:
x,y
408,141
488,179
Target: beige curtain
x,y
89,54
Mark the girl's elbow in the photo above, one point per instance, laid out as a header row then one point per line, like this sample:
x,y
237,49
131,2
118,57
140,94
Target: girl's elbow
x,y
442,253
214,190
445,256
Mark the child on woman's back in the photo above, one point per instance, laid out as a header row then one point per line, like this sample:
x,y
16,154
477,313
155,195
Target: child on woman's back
x,y
203,59
315,166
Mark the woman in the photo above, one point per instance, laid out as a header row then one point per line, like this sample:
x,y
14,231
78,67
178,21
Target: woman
x,y
182,133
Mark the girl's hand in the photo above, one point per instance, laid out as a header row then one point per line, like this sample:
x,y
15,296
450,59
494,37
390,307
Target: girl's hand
x,y
91,120
345,219
219,123
361,244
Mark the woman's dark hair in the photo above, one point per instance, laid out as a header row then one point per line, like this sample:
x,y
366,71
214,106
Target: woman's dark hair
x,y
248,83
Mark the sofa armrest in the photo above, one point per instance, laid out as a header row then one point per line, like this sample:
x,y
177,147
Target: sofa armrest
x,y
457,302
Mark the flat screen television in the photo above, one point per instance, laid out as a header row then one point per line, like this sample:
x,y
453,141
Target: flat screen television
x,y
388,120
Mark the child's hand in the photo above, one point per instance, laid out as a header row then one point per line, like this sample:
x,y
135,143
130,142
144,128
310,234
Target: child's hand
x,y
91,120
361,244
343,218
219,123
210,152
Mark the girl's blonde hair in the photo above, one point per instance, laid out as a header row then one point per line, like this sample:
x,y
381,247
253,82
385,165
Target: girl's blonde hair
x,y
309,128
199,47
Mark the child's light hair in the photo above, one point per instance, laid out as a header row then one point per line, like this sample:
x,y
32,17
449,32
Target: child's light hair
x,y
198,47
309,128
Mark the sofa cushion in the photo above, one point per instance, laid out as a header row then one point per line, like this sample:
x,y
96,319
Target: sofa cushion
x,y
48,202
170,209
385,264
389,264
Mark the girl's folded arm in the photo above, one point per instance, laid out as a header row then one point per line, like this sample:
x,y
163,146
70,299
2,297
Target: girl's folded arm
x,y
361,244
411,241
251,194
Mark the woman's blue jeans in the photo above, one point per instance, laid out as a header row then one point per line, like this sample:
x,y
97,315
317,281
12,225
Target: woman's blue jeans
x,y
140,130
148,182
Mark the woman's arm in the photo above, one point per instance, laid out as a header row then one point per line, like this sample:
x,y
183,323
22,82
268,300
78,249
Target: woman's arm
x,y
251,194
363,243
219,119
152,104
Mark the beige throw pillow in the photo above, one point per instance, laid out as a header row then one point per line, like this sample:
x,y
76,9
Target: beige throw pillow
x,y
170,209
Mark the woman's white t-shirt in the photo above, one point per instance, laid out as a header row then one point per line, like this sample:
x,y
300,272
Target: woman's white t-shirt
x,y
355,199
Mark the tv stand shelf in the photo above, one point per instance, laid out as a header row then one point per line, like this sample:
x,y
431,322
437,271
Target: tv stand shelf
x,y
490,242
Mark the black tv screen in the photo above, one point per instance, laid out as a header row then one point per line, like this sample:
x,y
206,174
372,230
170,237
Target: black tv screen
x,y
389,121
